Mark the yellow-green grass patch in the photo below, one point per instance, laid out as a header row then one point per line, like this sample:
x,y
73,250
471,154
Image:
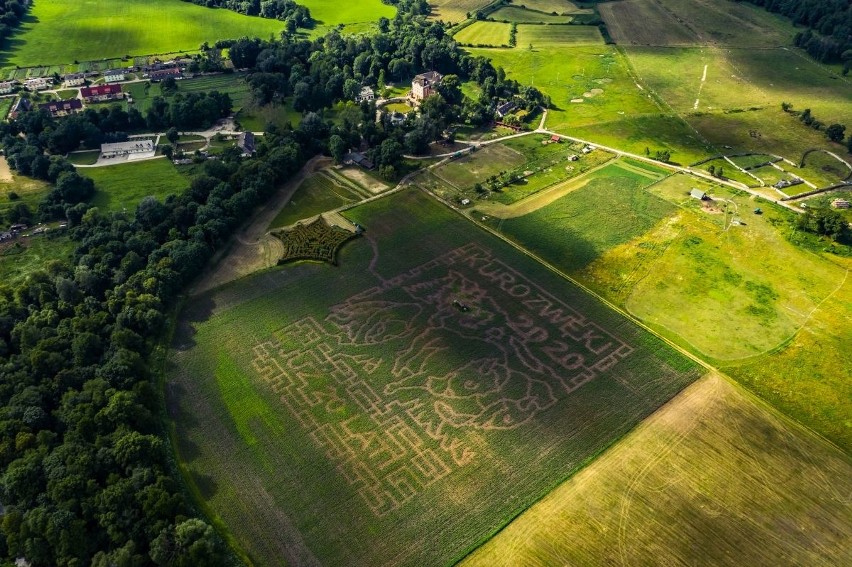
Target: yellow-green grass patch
x,y
484,33
330,13
560,35
455,11
478,166
56,32
365,405
22,257
551,6
713,474
122,186
318,193
521,16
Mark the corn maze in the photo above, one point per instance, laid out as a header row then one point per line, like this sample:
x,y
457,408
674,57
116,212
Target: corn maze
x,y
316,240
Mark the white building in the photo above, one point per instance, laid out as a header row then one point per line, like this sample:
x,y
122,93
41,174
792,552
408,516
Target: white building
x,y
366,94
38,84
132,148
6,87
114,76
74,79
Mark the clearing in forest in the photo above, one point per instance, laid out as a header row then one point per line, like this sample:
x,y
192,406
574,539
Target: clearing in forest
x,y
402,407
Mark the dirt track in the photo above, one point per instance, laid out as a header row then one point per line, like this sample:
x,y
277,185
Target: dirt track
x,y
251,248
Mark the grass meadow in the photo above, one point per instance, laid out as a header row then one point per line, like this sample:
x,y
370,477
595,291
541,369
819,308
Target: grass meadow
x,y
455,11
484,33
318,193
610,208
58,32
22,257
368,411
713,474
557,35
231,83
523,16
122,186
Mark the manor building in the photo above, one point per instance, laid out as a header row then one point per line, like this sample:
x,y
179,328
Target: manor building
x,y
425,85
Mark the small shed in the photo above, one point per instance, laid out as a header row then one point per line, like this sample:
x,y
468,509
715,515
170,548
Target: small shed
x,y
555,139
840,204
698,194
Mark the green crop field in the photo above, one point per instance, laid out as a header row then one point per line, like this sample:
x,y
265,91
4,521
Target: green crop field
x,y
58,32
557,35
713,475
362,14
522,16
551,6
318,193
427,385
454,11
609,208
122,186
484,33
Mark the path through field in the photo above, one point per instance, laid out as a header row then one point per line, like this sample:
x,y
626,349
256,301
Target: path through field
x,y
701,86
252,249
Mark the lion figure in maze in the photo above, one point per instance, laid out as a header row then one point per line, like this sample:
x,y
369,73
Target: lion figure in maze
x,y
445,322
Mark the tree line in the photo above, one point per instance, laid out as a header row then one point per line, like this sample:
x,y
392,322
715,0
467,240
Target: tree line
x,y
11,14
829,22
288,11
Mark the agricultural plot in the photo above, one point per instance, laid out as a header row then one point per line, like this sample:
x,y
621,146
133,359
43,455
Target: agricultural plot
x,y
557,35
455,11
608,207
401,408
318,193
484,34
726,290
330,13
554,6
122,186
317,240
694,22
713,475
473,168
57,32
520,15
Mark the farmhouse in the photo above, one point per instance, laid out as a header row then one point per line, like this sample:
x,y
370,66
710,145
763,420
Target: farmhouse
x,y
246,143
62,107
698,194
157,76
357,158
101,93
366,94
424,85
74,79
114,76
6,87
505,108
840,204
38,84
131,148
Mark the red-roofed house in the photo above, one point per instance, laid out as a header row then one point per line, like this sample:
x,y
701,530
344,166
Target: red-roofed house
x,y
101,93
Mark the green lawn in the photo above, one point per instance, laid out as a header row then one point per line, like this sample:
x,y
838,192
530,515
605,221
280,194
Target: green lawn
x,y
58,32
123,186
484,33
318,193
558,35
361,408
520,15
611,208
330,13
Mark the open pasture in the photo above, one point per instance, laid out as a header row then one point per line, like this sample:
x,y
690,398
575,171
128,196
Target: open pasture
x,y
455,11
713,475
122,186
519,15
557,35
355,16
58,32
480,165
568,74
727,291
318,193
609,207
401,408
553,6
694,22
484,33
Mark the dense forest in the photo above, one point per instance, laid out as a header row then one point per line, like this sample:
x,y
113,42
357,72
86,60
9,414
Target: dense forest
x,y
829,22
88,474
11,14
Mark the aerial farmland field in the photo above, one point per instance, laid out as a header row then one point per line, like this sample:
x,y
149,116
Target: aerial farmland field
x,y
454,11
404,406
484,33
63,32
522,16
123,185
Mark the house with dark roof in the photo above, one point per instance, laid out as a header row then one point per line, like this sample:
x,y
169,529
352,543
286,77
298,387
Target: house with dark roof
x,y
161,74
246,142
425,84
506,108
101,93
21,105
74,79
359,159
59,108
